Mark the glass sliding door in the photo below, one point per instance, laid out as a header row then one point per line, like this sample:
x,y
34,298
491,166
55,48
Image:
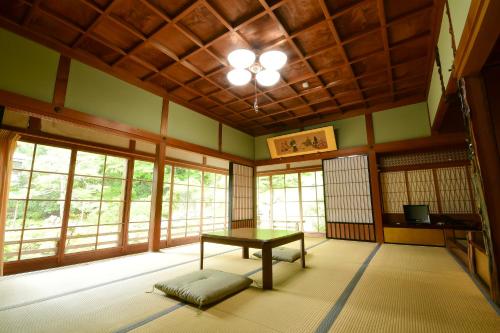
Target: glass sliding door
x,y
140,203
36,201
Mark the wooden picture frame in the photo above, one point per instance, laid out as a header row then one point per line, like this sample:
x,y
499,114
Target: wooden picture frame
x,y
301,143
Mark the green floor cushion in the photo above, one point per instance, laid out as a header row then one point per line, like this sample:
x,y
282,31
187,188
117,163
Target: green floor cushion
x,y
283,254
204,287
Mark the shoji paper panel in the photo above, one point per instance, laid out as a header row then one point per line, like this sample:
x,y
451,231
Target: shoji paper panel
x,y
394,191
347,190
242,192
422,190
454,190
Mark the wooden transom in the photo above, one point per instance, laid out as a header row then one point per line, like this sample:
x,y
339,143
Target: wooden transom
x,y
357,56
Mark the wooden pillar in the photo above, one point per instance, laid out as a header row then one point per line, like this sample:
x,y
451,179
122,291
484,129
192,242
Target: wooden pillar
x,y
484,102
67,203
158,175
61,85
127,198
374,180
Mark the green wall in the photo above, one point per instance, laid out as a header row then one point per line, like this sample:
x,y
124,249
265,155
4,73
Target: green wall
x,y
401,123
187,125
237,143
350,132
27,68
97,93
458,12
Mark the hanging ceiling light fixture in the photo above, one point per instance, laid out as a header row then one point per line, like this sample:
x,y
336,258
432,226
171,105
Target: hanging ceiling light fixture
x,y
265,70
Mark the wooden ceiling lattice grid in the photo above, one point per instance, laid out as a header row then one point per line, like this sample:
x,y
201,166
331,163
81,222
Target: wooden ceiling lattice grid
x,y
355,55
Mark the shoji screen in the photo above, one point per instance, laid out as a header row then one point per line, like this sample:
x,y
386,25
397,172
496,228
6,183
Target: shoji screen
x,y
348,198
241,204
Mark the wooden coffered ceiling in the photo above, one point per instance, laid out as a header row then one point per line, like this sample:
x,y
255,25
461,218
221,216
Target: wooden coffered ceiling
x,y
356,55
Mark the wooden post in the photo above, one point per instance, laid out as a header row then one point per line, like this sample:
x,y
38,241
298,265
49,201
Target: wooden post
x,y
127,198
376,197
61,85
67,203
158,175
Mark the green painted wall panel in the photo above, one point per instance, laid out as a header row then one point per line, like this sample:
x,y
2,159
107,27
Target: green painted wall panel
x,y
97,93
435,93
237,143
445,49
187,125
459,9
27,68
401,123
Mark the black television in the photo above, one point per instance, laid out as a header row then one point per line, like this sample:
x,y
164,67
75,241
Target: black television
x,y
417,214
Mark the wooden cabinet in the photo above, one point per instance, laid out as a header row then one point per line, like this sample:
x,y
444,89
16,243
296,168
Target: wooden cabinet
x,y
414,236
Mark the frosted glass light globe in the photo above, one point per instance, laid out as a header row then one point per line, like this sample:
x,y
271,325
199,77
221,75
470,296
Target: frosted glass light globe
x,y
239,77
241,58
267,77
273,60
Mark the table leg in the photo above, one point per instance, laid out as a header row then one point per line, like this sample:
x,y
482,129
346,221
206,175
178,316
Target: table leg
x,y
201,254
267,268
302,252
245,253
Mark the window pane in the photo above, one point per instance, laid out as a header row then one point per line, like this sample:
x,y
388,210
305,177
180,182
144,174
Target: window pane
x,y
86,188
10,252
220,209
209,179
19,184
141,191
48,186
292,180
83,213
166,192
15,214
310,208
140,211
179,210
44,214
278,181
278,195
106,229
194,194
180,193
167,173
194,210
38,250
181,176
292,194
143,170
88,164
209,194
292,210
307,179
116,167
220,195
12,236
41,234
52,159
23,155
319,177
114,189
320,193
263,184
220,181
310,224
111,213
308,193
208,210
194,177
74,232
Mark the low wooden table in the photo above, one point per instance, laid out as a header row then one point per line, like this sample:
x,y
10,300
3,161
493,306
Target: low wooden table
x,y
263,239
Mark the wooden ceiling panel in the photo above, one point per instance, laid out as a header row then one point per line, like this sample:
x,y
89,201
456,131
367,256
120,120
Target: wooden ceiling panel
x,y
261,32
316,39
136,69
73,10
412,50
397,8
180,73
155,57
413,26
172,7
164,83
350,53
14,10
295,15
364,46
115,34
204,61
324,60
173,39
294,71
238,11
357,20
137,15
203,24
45,25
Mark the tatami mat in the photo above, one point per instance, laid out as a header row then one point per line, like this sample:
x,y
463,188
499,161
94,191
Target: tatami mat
x,y
404,289
416,289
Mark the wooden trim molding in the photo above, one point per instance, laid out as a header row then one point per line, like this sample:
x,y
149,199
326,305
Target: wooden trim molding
x,y
61,81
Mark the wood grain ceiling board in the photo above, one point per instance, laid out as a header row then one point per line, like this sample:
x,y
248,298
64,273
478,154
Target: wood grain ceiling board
x,y
355,55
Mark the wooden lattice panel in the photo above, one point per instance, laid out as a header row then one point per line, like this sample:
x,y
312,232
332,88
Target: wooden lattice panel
x,y
394,193
354,55
347,190
422,190
428,157
242,192
454,190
